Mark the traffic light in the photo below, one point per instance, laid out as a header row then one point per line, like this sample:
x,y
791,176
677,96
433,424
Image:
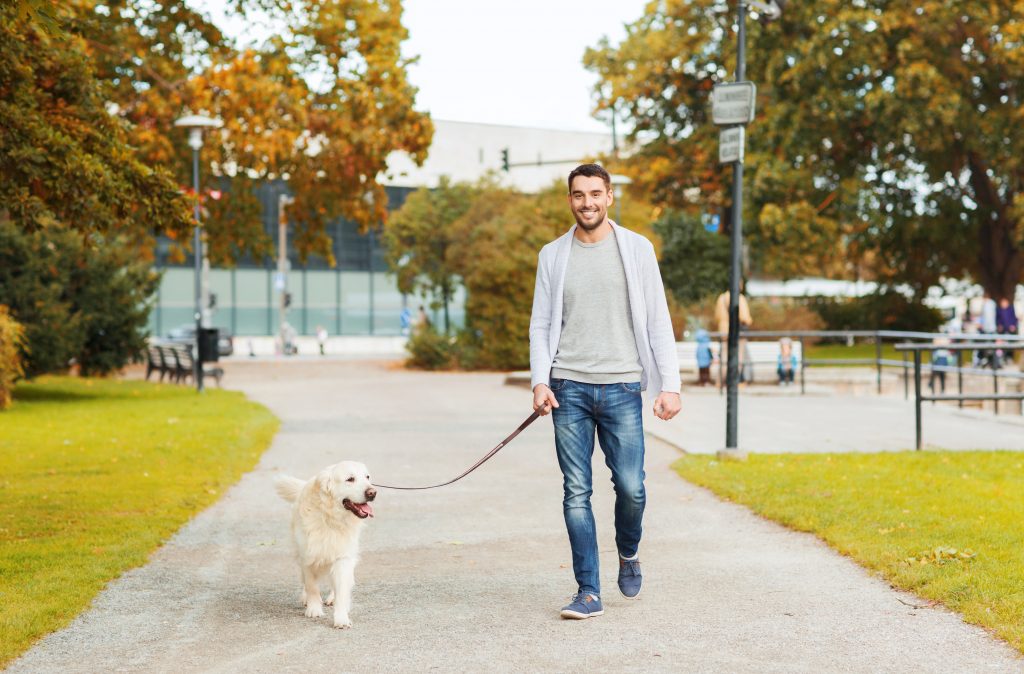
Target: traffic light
x,y
504,160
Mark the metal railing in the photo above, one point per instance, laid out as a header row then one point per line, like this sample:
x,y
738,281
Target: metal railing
x,y
926,340
996,396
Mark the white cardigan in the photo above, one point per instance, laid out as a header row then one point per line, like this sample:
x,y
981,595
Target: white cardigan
x,y
652,327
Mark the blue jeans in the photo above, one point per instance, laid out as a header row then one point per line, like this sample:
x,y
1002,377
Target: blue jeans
x,y
614,411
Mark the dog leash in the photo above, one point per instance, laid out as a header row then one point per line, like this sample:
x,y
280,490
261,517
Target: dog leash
x,y
529,420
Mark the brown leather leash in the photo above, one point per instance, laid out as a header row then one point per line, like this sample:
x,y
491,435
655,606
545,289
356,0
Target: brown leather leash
x,y
529,420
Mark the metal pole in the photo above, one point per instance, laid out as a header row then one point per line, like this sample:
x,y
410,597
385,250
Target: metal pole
x,y
803,366
282,268
370,269
878,362
906,378
197,363
959,378
917,396
736,242
995,389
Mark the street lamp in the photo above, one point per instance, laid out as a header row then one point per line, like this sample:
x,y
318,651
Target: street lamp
x,y
195,125
770,11
617,181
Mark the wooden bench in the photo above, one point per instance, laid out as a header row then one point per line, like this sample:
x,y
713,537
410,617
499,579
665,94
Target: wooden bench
x,y
762,354
176,362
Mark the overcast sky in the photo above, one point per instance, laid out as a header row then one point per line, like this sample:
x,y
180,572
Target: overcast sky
x,y
504,62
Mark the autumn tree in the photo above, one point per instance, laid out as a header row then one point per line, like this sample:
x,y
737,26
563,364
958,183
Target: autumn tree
x,y
887,140
319,104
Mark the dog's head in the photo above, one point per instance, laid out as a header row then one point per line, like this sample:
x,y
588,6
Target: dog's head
x,y
348,484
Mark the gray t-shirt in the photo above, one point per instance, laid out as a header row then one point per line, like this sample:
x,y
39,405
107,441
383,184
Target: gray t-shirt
x,y
597,344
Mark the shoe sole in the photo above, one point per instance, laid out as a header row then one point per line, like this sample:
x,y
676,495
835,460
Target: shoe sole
x,y
575,615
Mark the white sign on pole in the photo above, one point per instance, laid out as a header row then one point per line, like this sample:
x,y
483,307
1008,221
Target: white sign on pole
x,y
733,103
279,281
730,145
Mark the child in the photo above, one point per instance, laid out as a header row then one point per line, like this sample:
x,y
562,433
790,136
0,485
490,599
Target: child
x,y
787,361
704,357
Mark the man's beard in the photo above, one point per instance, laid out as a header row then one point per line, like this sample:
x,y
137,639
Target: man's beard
x,y
587,227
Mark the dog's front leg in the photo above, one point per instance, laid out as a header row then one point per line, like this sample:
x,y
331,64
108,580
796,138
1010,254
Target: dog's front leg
x,y
311,593
342,580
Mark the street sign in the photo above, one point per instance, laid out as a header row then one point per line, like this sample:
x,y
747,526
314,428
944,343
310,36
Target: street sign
x,y
733,103
712,224
730,145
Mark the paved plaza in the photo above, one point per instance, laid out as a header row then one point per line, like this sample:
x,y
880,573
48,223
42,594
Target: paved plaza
x,y
470,578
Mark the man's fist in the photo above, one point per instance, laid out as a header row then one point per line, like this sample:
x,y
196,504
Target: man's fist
x,y
667,405
544,399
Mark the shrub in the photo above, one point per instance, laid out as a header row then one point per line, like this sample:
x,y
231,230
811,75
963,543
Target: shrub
x,y
881,311
429,350
781,315
12,345
80,298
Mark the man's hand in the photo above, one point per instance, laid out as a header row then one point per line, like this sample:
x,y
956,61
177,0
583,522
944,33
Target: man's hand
x,y
666,406
543,399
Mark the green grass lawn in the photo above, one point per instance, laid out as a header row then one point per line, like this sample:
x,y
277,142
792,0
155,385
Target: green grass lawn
x,y
948,526
859,350
95,475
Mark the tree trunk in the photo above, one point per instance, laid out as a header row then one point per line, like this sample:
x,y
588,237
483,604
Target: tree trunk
x,y
999,260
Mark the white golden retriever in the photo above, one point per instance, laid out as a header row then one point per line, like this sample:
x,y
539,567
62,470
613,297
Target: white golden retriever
x,y
329,513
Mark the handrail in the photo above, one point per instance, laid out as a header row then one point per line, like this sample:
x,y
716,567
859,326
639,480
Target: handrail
x,y
960,397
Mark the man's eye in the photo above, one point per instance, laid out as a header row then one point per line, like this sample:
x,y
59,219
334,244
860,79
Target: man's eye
x,y
351,479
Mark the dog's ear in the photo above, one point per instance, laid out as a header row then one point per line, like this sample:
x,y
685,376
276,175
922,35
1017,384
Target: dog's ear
x,y
325,484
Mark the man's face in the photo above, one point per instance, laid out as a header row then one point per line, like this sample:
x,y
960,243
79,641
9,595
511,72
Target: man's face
x,y
589,200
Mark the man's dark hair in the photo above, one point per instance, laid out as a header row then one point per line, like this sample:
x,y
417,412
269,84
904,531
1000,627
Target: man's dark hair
x,y
591,171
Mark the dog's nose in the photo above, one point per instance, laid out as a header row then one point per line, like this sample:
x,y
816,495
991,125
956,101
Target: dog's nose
x,y
371,494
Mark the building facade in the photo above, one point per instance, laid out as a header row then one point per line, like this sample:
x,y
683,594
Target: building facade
x,y
359,296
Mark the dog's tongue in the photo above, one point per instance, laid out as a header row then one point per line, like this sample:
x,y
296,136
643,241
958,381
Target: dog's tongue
x,y
365,508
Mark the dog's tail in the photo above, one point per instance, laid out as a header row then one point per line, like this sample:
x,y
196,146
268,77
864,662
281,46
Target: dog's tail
x,y
288,487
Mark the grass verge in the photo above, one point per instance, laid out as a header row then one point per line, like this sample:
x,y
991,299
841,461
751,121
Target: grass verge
x,y
865,350
95,475
946,526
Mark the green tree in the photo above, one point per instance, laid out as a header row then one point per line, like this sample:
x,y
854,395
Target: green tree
x,y
887,141
81,299
694,262
418,240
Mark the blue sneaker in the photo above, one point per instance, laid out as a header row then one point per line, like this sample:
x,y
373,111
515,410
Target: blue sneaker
x,y
584,605
630,577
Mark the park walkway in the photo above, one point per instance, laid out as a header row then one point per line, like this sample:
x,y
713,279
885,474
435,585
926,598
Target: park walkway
x,y
469,578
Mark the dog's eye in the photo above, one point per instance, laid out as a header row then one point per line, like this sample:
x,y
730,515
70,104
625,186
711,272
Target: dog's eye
x,y
351,479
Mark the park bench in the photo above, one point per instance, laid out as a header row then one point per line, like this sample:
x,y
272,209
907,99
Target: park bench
x,y
175,361
764,356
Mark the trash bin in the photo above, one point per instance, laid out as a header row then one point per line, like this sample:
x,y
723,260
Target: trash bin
x,y
208,351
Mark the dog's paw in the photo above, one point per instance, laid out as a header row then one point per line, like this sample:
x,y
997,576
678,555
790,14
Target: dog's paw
x,y
314,611
342,622
330,599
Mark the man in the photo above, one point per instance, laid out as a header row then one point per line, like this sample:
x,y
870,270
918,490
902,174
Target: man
x,y
722,322
600,334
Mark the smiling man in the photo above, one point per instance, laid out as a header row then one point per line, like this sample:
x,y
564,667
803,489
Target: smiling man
x,y
600,334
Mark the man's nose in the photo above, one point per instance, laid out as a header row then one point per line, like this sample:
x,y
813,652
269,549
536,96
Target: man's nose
x,y
371,494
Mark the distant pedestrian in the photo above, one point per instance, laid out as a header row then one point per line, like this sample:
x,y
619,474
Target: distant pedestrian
x,y
1006,318
787,362
321,338
941,358
988,315
422,320
405,320
722,321
704,358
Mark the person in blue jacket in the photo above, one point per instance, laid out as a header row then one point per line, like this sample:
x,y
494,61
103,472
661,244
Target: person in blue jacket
x,y
704,357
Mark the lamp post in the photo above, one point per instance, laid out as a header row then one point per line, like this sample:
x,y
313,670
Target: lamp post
x,y
195,125
770,11
617,181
